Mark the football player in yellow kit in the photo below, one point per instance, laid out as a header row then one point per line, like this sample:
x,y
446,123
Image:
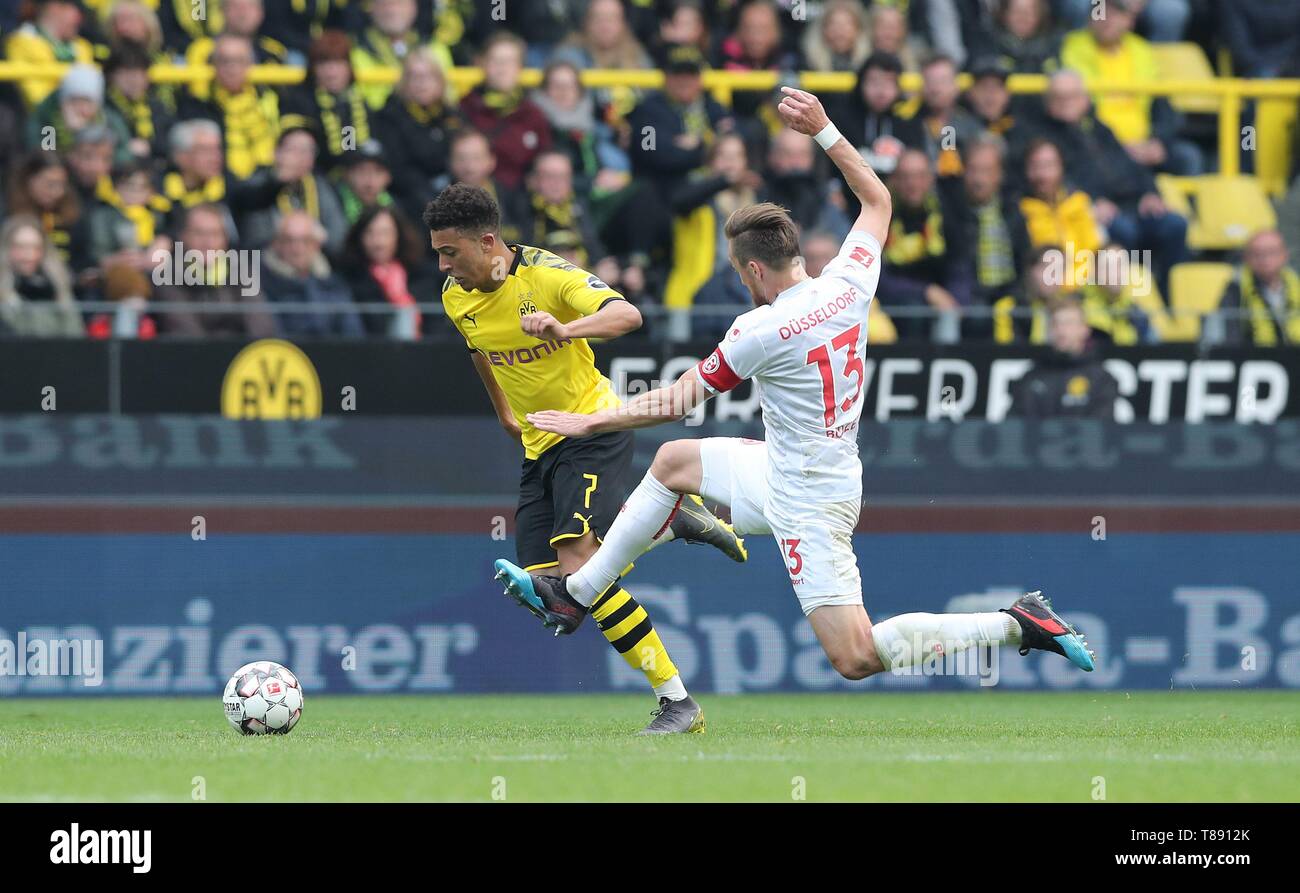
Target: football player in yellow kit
x,y
526,315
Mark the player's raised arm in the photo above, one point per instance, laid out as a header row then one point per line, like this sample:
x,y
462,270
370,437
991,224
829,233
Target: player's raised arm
x,y
642,411
802,111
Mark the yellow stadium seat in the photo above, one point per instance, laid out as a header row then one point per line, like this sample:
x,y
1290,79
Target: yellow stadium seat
x,y
1175,192
1146,294
1275,132
880,328
1186,62
1223,212
1228,211
1194,290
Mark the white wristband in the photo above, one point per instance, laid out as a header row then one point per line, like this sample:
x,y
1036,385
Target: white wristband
x,y
828,135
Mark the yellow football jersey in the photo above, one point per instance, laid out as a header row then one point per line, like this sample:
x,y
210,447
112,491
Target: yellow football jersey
x,y
535,374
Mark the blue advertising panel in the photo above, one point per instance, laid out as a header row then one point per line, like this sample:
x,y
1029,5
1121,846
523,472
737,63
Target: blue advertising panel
x,y
421,613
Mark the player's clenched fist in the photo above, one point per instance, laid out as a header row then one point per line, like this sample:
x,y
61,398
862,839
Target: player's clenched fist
x,y
543,325
802,111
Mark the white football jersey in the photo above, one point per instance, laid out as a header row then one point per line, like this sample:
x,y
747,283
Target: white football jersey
x,y
805,352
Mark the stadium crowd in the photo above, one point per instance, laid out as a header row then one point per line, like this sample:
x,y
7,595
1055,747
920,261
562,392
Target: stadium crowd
x,y
107,170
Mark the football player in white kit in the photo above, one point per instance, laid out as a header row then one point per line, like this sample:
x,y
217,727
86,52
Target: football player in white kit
x,y
803,345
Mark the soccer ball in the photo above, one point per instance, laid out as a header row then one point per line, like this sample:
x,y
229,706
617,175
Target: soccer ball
x,y
263,698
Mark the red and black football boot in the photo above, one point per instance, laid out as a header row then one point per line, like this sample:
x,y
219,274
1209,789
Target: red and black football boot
x,y
1043,629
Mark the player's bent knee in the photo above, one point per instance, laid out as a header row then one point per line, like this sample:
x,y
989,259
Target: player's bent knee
x,y
845,635
673,462
851,665
856,657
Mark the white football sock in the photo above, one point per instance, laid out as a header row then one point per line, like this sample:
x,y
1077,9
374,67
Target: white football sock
x,y
908,639
667,537
643,520
674,689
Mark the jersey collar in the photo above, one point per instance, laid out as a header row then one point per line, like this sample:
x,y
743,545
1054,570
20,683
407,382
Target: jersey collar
x,y
519,257
792,289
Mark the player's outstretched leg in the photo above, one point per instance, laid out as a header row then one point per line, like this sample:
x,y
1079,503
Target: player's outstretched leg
x,y
1043,629
857,648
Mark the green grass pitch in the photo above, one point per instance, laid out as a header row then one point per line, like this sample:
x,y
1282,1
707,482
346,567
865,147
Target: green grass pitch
x,y
973,746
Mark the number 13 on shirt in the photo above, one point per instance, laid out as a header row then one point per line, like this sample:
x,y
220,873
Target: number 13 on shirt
x,y
852,368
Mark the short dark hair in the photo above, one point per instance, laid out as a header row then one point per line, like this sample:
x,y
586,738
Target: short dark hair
x,y
332,45
469,133
128,56
938,58
297,124
1069,302
550,153
763,232
470,209
1037,144
555,65
882,61
499,37
189,213
124,170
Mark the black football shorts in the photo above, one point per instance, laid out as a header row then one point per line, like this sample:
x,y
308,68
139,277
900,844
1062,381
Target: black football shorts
x,y
577,485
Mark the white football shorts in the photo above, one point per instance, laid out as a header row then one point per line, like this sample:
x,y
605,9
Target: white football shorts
x,y
816,540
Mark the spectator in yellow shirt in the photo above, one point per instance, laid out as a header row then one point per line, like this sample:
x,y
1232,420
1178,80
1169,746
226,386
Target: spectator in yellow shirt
x,y
1057,215
1147,127
1124,197
52,37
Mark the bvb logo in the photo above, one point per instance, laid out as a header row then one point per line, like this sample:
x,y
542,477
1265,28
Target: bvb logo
x,y
271,379
526,306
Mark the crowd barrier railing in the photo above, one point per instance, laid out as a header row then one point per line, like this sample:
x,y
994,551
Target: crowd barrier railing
x,y
673,324
1231,94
